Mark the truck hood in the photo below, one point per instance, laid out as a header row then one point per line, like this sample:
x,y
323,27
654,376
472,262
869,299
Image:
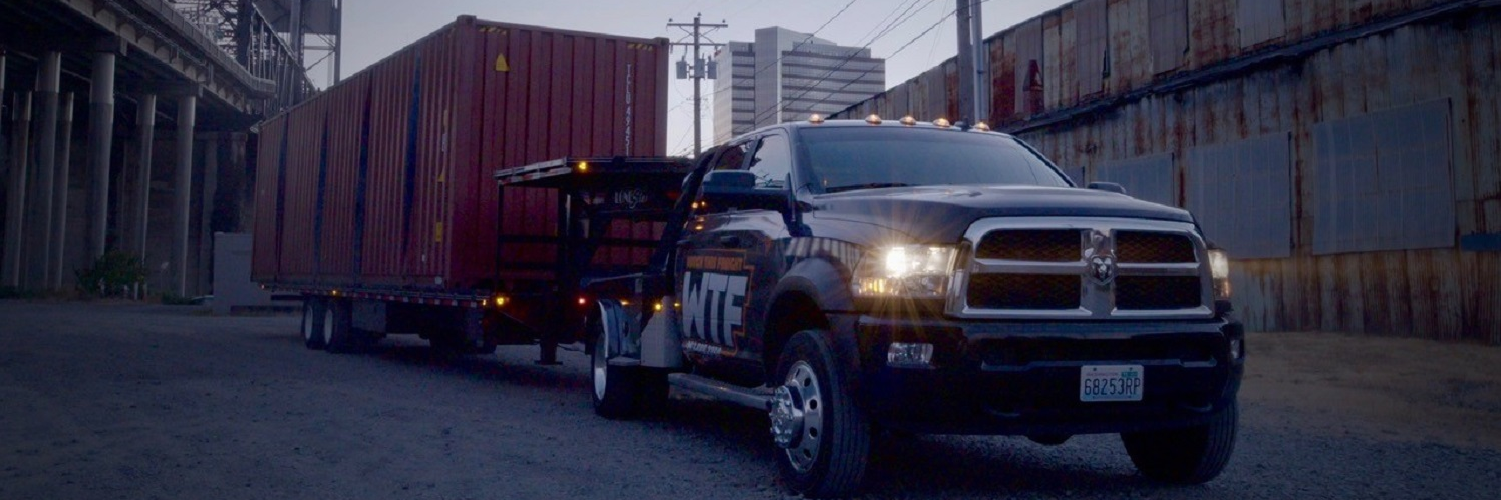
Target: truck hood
x,y
941,214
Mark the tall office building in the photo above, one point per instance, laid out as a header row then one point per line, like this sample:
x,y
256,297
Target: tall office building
x,y
785,75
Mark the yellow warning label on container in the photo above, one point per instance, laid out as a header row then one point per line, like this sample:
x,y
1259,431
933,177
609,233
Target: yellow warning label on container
x,y
501,64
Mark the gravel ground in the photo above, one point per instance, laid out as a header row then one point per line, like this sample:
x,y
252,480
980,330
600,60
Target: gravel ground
x,y
130,401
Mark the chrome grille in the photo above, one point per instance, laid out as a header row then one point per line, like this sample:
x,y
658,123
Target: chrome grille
x,y
1051,268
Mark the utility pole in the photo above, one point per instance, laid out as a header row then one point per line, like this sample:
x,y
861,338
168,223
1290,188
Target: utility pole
x,y
982,63
700,70
966,61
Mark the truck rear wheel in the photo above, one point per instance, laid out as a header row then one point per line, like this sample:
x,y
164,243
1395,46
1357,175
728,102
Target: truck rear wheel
x,y
1191,455
825,439
312,323
622,392
340,335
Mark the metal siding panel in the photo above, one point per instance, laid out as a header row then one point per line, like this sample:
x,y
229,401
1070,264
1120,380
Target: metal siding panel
x,y
1385,184
1028,67
1168,32
1092,33
1054,59
1242,195
1147,177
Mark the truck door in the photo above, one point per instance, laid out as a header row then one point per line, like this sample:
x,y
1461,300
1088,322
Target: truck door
x,y
730,262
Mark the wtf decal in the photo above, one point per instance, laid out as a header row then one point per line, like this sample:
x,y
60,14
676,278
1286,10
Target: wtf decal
x,y
714,294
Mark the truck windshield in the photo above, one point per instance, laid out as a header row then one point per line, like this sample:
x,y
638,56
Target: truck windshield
x,y
848,158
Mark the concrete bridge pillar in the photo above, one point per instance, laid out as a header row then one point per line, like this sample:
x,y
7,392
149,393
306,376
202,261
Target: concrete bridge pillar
x,y
60,192
187,113
16,189
101,129
146,139
39,225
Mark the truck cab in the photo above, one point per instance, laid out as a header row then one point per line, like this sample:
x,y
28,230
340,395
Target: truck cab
x,y
852,276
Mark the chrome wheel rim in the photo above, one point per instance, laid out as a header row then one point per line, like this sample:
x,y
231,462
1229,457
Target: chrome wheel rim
x,y
307,322
601,364
328,325
804,394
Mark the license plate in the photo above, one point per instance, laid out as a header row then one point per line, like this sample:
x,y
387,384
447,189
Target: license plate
x,y
1110,383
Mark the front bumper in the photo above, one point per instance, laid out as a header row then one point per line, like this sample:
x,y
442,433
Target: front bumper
x,y
1008,377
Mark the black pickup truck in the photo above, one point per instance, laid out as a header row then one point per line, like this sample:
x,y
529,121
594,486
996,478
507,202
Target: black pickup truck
x,y
857,278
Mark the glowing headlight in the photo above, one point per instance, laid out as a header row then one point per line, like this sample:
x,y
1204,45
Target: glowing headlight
x,y
915,271
1219,269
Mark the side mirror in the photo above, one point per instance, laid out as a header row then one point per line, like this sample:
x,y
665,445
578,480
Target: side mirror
x,y
737,189
1108,186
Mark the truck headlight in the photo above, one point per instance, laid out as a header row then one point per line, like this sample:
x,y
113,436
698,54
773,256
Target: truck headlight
x,y
1219,270
912,271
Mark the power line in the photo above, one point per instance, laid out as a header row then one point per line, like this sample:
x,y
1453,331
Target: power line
x,y
887,30
898,51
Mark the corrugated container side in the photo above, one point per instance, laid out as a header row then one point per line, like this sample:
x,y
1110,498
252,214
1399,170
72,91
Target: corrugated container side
x,y
265,254
304,155
346,123
390,138
387,175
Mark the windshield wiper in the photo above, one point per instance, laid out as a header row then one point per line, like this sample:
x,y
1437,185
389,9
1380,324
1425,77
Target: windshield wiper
x,y
872,185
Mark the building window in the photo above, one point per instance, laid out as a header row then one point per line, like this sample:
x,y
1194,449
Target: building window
x,y
1168,33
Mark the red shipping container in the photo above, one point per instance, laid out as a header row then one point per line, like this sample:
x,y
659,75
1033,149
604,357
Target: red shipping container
x,y
384,180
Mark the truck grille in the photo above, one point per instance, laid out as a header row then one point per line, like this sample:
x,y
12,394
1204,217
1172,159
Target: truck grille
x,y
1072,268
1025,291
1153,248
1035,245
1157,293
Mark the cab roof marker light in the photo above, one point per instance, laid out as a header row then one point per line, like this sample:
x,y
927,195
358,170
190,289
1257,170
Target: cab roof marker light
x,y
941,122
908,120
873,119
981,126
816,118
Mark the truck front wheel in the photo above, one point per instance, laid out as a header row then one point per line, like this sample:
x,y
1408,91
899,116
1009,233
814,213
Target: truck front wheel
x,y
824,438
1192,455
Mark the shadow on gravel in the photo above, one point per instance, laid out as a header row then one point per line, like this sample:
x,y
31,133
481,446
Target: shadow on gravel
x,y
901,466
486,368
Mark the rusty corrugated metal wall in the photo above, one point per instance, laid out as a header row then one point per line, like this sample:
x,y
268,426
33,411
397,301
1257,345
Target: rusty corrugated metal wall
x,y
1396,97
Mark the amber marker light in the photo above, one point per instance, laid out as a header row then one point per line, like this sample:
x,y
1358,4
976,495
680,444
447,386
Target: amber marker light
x,y
583,166
981,126
941,122
908,120
816,118
657,307
873,119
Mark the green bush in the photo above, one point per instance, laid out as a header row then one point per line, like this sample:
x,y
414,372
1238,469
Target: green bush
x,y
111,275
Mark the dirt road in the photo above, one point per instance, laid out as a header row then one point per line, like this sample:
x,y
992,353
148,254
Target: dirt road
x,y
129,401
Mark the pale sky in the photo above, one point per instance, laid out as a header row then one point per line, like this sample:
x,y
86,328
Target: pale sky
x,y
376,28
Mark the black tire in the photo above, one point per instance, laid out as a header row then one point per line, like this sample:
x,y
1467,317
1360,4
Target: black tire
x,y
1192,455
622,392
312,323
341,336
830,456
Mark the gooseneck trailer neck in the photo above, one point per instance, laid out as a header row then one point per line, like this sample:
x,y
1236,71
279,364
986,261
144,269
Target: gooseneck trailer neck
x,y
592,194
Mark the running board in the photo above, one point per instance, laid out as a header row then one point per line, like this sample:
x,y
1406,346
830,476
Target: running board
x,y
758,398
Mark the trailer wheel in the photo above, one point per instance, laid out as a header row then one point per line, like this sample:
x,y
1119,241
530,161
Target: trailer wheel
x,y
825,439
622,392
1192,455
338,327
312,323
